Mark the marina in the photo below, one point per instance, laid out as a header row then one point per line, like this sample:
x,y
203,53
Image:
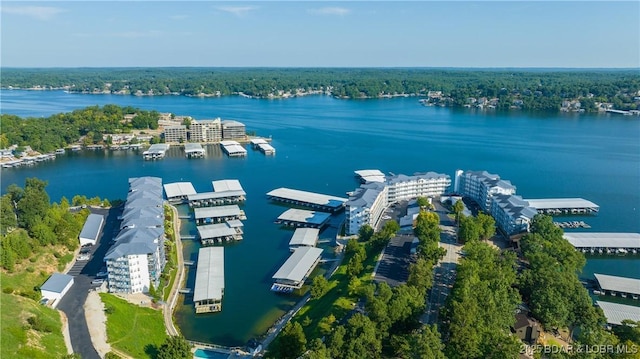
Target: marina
x,y
605,243
366,176
560,206
307,199
220,232
303,218
207,215
233,148
263,146
193,150
209,285
572,224
178,192
155,152
29,160
614,286
225,192
293,273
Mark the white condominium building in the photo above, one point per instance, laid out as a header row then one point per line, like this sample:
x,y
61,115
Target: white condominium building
x,y
365,206
512,214
137,258
233,130
429,184
481,186
205,130
175,133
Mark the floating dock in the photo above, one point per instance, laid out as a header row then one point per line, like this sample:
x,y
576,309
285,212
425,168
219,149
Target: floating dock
x,y
616,313
263,146
605,243
155,152
318,201
304,237
303,218
296,269
193,150
220,232
178,192
233,149
209,287
367,176
559,206
219,214
225,192
622,286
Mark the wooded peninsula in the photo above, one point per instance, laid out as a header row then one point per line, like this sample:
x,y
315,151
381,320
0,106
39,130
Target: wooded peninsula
x,y
579,90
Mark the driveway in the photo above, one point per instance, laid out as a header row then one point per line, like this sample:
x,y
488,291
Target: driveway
x,y
72,304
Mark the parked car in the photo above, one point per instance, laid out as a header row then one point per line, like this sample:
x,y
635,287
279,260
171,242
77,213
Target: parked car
x,y
84,257
97,281
101,274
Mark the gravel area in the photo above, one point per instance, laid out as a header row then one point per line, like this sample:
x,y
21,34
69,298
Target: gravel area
x,y
97,323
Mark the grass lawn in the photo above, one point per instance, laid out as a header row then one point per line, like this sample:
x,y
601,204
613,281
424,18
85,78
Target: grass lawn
x,y
19,339
134,330
33,272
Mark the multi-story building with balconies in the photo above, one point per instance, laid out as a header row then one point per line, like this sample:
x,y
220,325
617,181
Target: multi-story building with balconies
x,y
365,206
205,131
233,130
175,134
480,186
512,214
429,184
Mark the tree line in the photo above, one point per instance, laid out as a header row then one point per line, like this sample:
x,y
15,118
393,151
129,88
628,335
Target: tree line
x,y
60,130
534,89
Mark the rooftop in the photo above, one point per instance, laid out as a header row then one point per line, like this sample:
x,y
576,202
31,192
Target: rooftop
x,y
298,264
603,240
179,189
215,231
304,216
618,284
552,203
214,195
57,282
216,212
91,228
193,147
305,237
370,175
209,274
226,185
616,313
307,197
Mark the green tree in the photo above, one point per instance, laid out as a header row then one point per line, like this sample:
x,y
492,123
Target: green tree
x,y
33,206
365,232
486,225
175,347
423,202
468,229
291,341
8,219
355,265
319,287
458,207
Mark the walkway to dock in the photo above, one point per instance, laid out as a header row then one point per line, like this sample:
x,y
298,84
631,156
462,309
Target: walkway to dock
x,y
173,293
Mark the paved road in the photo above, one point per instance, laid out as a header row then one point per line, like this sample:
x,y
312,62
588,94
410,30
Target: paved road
x,y
173,291
445,271
72,304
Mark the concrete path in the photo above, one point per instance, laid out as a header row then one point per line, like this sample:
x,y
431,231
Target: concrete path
x,y
173,291
97,323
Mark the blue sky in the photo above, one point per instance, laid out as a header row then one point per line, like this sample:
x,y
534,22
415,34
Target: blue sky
x,y
320,34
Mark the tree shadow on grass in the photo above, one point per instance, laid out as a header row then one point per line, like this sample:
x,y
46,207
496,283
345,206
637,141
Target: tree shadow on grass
x,y
151,350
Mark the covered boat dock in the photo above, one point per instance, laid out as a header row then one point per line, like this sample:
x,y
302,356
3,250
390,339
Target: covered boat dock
x,y
220,232
304,237
155,152
622,286
296,269
179,191
233,149
318,201
263,146
193,150
367,176
218,214
210,199
209,286
558,206
616,313
303,218
604,243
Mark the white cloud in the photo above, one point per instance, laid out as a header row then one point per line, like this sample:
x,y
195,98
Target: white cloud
x,y
237,10
36,12
340,11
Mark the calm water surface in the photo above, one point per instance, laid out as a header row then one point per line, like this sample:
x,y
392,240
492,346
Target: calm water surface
x,y
320,141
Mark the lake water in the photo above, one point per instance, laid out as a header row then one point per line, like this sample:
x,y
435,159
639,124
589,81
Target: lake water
x,y
320,141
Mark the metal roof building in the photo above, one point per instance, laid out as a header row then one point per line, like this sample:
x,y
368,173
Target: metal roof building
x,y
219,232
370,176
308,199
615,284
178,191
563,205
616,313
208,199
296,269
155,151
304,237
193,150
603,240
56,287
209,286
91,229
303,218
233,148
218,214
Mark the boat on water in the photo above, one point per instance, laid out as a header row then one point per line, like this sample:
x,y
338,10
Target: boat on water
x,y
60,151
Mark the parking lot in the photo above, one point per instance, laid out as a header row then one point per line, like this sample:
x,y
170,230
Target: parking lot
x,y
393,268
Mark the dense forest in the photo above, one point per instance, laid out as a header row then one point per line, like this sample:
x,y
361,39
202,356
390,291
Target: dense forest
x,y
59,130
527,89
